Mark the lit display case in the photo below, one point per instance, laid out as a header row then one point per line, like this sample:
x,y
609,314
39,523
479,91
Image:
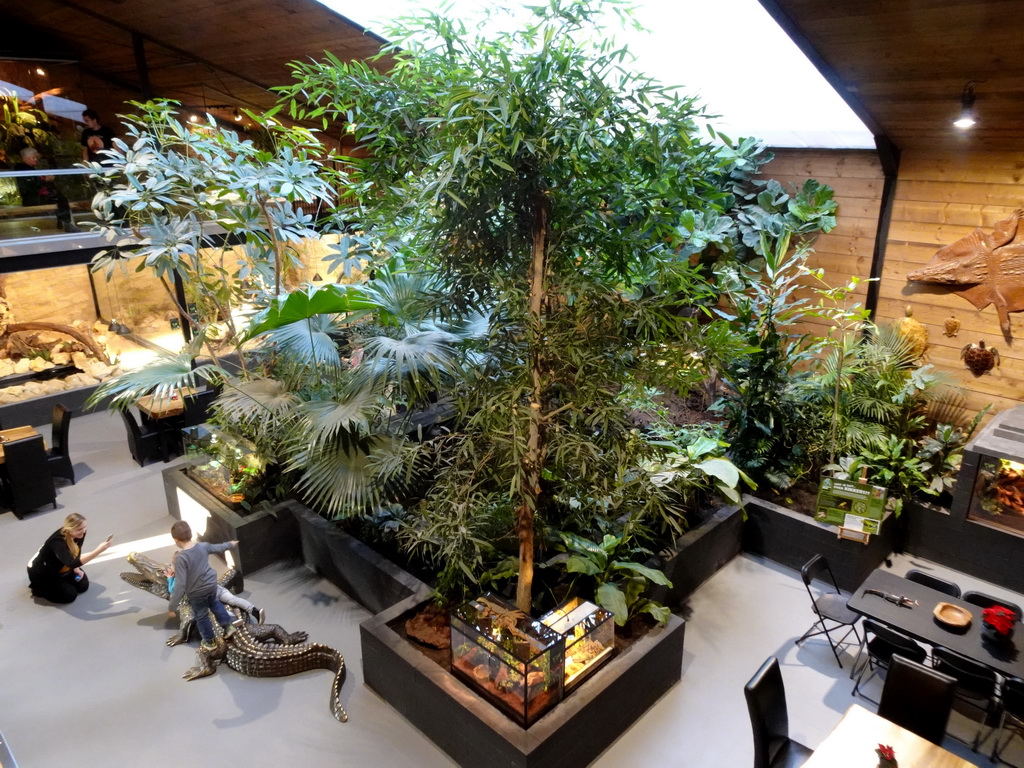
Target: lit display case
x,y
514,661
589,633
990,486
998,494
226,466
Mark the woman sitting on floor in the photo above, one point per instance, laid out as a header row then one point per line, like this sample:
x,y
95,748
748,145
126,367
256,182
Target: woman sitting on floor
x,y
55,572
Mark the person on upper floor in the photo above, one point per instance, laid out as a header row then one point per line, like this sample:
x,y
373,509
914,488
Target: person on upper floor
x,y
95,138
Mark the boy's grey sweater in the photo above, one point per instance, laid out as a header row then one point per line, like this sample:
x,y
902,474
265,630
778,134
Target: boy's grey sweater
x,y
192,572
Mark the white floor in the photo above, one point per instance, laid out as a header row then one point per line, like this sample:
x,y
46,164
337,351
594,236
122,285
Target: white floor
x,y
93,684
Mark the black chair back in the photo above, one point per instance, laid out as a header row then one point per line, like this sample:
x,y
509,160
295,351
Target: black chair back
x,y
895,642
197,408
941,585
917,698
58,456
982,600
973,680
142,445
769,719
815,570
769,716
27,481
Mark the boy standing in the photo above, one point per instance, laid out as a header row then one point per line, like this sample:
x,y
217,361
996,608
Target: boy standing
x,y
197,581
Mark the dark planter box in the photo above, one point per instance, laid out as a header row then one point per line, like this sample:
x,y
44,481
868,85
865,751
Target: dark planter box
x,y
263,537
698,554
790,538
989,553
474,733
369,578
38,411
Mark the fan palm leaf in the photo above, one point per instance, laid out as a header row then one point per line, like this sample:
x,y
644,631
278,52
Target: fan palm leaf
x,y
418,361
308,340
339,479
257,401
325,421
162,377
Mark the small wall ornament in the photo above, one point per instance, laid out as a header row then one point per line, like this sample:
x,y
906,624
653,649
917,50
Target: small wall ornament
x,y
913,332
951,327
978,358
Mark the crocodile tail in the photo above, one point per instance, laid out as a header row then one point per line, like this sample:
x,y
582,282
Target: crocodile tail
x,y
339,680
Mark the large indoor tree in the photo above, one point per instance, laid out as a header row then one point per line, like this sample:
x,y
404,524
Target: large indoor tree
x,y
565,196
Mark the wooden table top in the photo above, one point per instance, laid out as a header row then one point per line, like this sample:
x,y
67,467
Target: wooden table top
x,y
852,744
164,407
14,433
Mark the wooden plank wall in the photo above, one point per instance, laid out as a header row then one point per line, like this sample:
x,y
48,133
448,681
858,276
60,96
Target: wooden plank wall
x,y
856,176
941,197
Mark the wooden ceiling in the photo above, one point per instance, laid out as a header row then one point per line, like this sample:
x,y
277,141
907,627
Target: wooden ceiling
x,y
198,52
903,64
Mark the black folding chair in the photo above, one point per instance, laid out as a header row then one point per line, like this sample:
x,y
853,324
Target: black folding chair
x,y
769,719
941,585
917,698
982,600
881,643
829,607
1011,716
976,685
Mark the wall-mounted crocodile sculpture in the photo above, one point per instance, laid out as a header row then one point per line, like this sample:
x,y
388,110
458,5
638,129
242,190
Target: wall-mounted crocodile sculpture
x,y
264,650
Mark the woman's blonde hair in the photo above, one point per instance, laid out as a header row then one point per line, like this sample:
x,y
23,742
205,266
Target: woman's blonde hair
x,y
71,523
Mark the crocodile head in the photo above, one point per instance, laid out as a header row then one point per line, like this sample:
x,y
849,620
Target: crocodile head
x,y
150,575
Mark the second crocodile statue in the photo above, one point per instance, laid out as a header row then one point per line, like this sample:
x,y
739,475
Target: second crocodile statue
x,y
264,650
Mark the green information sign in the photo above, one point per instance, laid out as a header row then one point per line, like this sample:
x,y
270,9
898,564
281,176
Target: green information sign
x,y
850,504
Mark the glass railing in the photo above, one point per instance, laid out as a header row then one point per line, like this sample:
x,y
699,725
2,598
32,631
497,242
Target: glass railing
x,y
45,202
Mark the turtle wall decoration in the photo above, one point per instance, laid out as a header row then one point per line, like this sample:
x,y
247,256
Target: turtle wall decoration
x,y
978,358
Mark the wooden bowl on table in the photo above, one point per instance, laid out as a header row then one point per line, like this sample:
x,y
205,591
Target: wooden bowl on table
x,y
952,616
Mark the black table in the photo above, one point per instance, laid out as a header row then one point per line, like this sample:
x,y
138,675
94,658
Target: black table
x,y
920,623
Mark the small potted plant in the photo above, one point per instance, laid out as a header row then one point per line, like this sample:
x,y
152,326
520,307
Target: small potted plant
x,y
997,622
886,756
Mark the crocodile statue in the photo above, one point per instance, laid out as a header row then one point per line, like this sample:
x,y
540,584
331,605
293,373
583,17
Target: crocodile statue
x,y
261,650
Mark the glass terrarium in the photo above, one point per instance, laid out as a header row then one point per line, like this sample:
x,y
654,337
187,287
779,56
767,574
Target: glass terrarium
x,y
990,486
514,661
998,497
589,632
225,465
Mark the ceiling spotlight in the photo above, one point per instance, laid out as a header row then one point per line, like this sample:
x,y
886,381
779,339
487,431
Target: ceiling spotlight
x,y
193,119
238,117
967,117
40,71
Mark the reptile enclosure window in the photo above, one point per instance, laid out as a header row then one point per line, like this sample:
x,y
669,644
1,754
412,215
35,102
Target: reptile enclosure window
x,y
990,486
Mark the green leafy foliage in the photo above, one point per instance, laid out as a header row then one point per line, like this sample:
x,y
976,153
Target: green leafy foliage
x,y
619,583
562,197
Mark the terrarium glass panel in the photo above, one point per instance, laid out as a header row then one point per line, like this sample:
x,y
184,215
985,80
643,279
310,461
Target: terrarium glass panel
x,y
226,466
513,660
998,497
589,632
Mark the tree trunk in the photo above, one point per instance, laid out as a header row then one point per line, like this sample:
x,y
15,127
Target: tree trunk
x,y
533,460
